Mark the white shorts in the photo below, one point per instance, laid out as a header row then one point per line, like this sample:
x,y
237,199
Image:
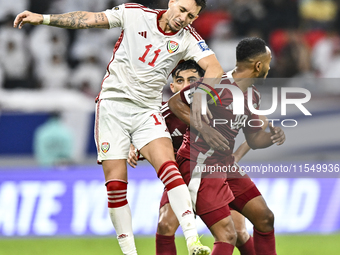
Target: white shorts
x,y
119,122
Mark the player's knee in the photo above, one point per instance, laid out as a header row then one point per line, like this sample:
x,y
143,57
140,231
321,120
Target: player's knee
x,y
225,233
166,227
242,237
229,237
266,222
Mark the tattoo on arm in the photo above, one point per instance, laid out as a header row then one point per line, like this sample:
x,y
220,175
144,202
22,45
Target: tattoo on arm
x,y
76,20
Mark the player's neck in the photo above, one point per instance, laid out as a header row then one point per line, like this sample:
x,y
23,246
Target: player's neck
x,y
163,23
243,78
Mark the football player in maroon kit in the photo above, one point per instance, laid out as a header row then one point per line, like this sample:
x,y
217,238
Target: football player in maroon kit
x,y
211,195
185,73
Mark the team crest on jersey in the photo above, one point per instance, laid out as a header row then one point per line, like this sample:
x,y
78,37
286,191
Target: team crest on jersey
x,y
172,46
116,8
105,147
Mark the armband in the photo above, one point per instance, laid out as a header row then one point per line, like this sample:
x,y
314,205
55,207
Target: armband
x,y
46,19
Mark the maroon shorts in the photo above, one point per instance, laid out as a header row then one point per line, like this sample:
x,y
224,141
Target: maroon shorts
x,y
243,188
212,195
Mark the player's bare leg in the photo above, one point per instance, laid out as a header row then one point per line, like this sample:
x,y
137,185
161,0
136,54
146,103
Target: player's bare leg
x,y
257,211
168,222
244,241
225,236
159,153
224,231
115,172
166,229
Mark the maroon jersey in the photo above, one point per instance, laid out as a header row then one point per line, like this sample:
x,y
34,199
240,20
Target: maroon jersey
x,y
175,126
194,146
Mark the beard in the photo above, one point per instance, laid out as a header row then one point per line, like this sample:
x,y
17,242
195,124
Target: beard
x,y
260,79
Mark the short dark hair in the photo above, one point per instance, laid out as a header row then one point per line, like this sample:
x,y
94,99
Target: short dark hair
x,y
250,47
186,65
202,3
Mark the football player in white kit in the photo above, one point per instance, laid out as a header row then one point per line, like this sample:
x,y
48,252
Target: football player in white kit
x,y
151,44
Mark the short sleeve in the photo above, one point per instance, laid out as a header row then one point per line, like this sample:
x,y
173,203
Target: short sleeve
x,y
196,46
115,16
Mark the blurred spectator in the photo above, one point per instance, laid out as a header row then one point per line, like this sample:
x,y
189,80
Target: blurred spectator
x,y
63,6
87,77
334,64
12,8
294,57
53,143
55,74
2,77
324,53
224,43
280,14
246,15
46,42
318,13
87,41
14,56
208,21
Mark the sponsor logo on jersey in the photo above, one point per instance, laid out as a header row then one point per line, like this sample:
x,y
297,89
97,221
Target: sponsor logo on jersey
x,y
172,46
203,46
105,147
142,34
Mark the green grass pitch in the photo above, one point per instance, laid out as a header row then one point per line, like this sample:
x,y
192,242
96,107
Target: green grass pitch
x,y
286,245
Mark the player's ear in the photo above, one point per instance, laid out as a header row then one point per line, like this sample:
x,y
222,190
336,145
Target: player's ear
x,y
258,66
193,19
171,2
172,87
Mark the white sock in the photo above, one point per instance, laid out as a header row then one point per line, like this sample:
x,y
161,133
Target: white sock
x,y
122,222
180,202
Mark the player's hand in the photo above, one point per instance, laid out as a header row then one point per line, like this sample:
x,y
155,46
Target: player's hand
x,y
278,136
29,18
196,108
132,159
213,138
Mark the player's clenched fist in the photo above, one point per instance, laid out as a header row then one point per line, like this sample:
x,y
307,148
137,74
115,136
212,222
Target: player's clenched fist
x,y
27,17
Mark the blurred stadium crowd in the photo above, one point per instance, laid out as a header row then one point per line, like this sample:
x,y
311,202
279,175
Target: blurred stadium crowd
x,y
303,35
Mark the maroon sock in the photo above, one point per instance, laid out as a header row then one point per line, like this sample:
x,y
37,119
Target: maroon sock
x,y
221,248
165,245
264,243
248,247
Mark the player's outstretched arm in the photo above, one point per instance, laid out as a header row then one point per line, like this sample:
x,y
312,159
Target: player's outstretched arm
x,y
212,76
211,136
71,20
263,139
244,147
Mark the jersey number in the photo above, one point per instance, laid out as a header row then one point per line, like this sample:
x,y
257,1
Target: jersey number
x,y
142,58
157,122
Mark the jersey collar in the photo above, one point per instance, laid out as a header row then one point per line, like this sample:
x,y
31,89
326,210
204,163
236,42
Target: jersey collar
x,y
159,28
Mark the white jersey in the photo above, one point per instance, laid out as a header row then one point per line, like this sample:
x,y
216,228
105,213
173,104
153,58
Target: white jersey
x,y
144,56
